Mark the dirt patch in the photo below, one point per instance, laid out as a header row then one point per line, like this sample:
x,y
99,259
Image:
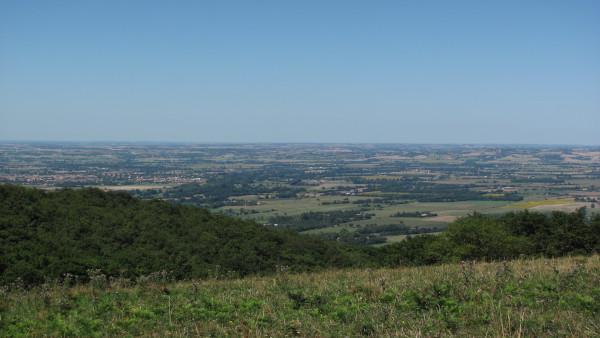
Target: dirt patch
x,y
560,207
443,218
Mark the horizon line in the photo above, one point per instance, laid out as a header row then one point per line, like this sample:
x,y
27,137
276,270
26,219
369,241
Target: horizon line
x,y
2,141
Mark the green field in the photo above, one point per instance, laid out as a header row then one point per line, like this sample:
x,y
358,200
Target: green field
x,y
446,211
293,206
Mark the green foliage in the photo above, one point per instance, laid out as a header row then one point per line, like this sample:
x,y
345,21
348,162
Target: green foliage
x,y
94,236
45,235
424,191
483,237
217,190
374,234
418,214
530,298
315,220
512,235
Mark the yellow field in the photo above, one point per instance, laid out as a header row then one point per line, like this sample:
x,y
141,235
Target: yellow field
x,y
134,187
538,203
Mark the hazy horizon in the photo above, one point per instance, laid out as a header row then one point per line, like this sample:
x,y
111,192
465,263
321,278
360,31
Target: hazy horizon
x,y
466,72
163,142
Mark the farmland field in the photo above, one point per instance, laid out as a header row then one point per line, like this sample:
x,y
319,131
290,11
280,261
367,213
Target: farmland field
x,y
324,189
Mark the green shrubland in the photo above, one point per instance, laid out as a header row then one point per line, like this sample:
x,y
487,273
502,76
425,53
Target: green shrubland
x,y
520,298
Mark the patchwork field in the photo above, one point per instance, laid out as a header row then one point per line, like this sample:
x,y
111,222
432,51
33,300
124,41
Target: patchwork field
x,y
325,189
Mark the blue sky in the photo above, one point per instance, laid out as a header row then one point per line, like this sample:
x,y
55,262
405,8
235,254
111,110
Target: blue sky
x,y
301,71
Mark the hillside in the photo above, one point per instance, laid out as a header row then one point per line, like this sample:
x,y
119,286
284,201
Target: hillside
x,y
45,235
541,297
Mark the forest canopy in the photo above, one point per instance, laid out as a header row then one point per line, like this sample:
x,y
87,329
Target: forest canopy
x,y
47,234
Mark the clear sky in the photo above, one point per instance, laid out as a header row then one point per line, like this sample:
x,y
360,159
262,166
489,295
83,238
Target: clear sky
x,y
301,71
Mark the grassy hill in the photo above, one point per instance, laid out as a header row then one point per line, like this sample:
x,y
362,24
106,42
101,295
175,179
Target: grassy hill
x,y
90,263
538,297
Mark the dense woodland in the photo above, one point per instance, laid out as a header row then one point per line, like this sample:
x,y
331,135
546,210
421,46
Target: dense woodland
x,y
46,235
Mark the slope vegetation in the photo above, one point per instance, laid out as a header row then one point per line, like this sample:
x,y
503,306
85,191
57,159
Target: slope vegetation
x,y
45,235
521,298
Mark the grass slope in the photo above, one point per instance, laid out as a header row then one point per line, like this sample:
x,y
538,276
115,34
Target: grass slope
x,y
542,297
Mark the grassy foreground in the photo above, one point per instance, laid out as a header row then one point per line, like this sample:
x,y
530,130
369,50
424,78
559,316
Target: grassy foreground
x,y
541,297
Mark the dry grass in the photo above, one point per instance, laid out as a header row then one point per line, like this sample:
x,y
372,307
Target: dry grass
x,y
538,203
543,297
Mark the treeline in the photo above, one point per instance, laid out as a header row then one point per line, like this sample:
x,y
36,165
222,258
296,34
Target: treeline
x,y
45,235
551,180
315,220
418,190
512,235
419,214
376,234
217,191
